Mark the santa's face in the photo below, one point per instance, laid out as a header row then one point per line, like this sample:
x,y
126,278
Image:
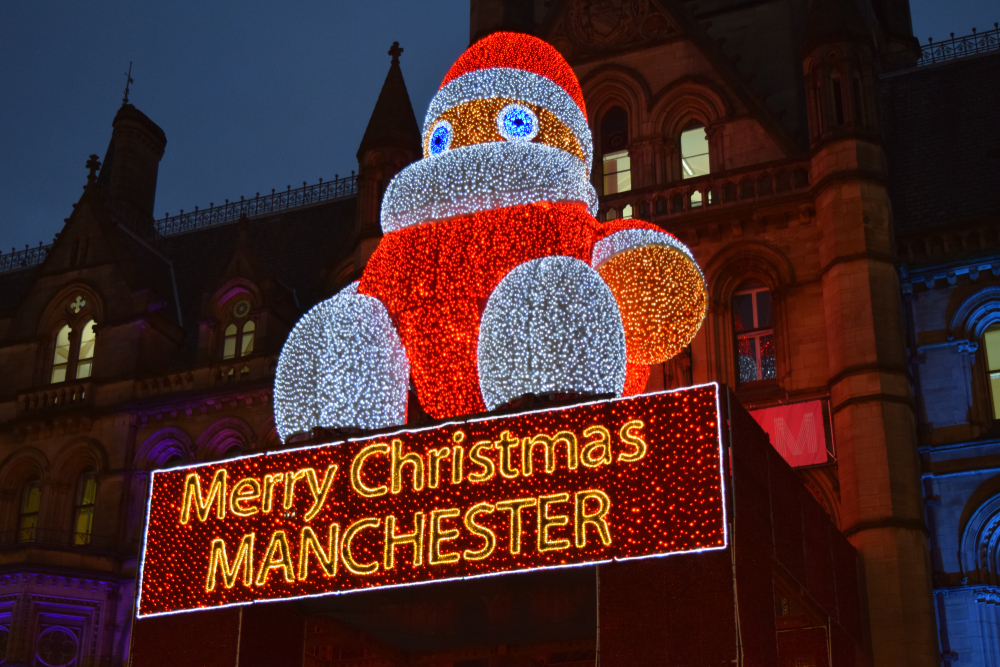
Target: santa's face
x,y
493,138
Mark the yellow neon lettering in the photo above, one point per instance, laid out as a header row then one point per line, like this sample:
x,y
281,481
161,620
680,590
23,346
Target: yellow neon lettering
x,y
243,560
565,437
637,443
277,557
457,460
399,460
597,519
319,491
484,462
347,555
488,536
290,479
545,521
203,506
270,481
435,557
327,558
434,458
359,462
243,491
598,451
506,445
515,506
392,540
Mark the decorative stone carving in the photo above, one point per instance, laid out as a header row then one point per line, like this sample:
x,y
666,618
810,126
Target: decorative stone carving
x,y
608,23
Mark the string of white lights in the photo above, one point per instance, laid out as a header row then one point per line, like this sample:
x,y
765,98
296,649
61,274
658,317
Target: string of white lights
x,y
518,85
550,326
343,366
484,177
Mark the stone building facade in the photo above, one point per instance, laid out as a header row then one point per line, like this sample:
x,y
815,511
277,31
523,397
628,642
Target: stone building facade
x,y
782,141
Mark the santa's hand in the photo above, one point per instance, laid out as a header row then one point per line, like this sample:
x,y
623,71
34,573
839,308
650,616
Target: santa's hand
x,y
659,289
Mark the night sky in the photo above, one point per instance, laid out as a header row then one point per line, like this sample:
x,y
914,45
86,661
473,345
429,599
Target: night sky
x,y
251,95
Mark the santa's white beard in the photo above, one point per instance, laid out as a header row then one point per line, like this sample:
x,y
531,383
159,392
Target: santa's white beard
x,y
483,177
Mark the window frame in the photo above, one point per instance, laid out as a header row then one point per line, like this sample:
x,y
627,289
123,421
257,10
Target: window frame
x,y
693,125
756,333
29,533
992,374
85,481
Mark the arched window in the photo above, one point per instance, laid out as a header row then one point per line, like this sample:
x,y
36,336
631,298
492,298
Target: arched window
x,y
83,508
991,345
617,164
694,152
754,333
85,363
248,332
60,359
31,499
229,342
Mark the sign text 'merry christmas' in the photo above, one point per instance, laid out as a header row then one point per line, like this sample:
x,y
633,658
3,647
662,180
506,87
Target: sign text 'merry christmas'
x,y
626,478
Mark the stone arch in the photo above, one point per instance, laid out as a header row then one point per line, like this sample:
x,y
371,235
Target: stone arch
x,y
979,545
162,446
219,438
746,260
58,311
77,457
24,464
686,99
724,273
611,84
974,315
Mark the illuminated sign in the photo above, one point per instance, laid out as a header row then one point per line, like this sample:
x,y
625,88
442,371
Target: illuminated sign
x,y
618,479
797,431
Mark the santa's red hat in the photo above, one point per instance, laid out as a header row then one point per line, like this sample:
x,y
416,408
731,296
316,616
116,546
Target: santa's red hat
x,y
520,67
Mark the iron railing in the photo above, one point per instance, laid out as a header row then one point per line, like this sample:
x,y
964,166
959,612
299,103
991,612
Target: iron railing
x,y
276,201
959,47
17,259
213,215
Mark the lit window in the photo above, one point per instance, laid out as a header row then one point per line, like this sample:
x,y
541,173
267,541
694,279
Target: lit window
x,y
85,365
83,511
245,373
229,342
27,524
694,151
627,212
248,331
60,360
991,341
617,165
754,335
617,173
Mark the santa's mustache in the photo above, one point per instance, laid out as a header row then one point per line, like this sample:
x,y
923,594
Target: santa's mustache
x,y
484,177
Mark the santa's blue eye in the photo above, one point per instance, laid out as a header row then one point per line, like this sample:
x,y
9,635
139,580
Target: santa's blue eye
x,y
517,122
440,138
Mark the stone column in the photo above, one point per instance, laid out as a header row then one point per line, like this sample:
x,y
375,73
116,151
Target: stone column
x,y
871,408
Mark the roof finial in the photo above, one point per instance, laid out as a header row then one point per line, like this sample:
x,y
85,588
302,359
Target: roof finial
x,y
395,51
128,83
93,165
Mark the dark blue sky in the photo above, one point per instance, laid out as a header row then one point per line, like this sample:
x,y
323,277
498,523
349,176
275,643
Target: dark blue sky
x,y
252,95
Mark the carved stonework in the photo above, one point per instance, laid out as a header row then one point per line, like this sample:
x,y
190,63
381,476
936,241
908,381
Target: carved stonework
x,y
595,25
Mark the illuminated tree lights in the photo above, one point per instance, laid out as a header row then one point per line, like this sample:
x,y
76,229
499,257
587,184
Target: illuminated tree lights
x,y
629,478
483,177
551,326
342,366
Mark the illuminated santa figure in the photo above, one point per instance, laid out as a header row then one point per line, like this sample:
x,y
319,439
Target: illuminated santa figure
x,y
494,279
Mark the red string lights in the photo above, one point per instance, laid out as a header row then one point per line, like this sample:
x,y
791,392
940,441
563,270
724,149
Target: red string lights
x,y
620,479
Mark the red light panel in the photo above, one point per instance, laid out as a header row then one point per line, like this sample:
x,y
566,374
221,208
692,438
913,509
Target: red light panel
x,y
627,478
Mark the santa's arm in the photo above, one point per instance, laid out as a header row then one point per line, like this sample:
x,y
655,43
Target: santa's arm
x,y
657,284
